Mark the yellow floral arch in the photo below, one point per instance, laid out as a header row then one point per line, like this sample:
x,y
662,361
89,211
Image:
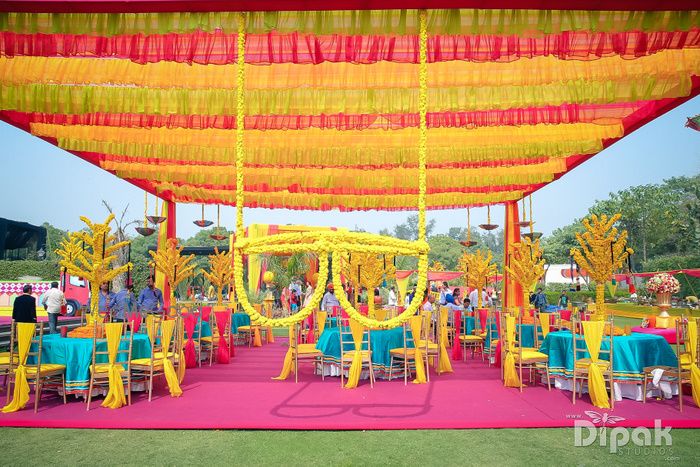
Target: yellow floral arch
x,y
335,244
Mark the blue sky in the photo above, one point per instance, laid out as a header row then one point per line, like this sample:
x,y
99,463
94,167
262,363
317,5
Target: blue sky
x,y
43,183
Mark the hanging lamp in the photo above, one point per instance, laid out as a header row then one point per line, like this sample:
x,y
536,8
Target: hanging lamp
x,y
532,235
218,236
203,222
469,241
155,218
145,230
488,225
524,223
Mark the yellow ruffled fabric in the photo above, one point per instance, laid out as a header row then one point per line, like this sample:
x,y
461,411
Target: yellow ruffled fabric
x,y
532,23
355,370
151,327
20,395
52,98
544,324
115,396
593,334
694,370
285,199
342,75
510,375
416,323
167,328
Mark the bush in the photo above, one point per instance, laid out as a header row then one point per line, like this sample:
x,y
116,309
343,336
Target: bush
x,y
13,270
689,285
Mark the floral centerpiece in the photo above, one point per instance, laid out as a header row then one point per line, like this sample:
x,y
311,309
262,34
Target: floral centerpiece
x,y
663,285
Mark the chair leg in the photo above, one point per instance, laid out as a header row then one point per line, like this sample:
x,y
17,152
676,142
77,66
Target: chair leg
x,y
63,383
323,369
371,373
128,386
549,383
150,385
9,388
89,397
612,392
520,371
573,388
680,393
37,394
391,366
644,389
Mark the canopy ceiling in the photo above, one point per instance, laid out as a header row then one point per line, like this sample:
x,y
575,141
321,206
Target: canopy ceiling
x,y
516,97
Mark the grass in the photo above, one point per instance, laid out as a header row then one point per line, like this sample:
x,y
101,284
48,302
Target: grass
x,y
645,310
427,447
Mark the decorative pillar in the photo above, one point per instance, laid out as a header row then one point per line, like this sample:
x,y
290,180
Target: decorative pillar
x,y
166,230
512,292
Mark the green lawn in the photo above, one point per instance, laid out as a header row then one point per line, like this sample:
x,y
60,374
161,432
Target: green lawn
x,y
427,447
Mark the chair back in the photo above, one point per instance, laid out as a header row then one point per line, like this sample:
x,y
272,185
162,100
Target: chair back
x,y
22,337
359,335
35,348
586,340
124,347
692,340
319,322
544,323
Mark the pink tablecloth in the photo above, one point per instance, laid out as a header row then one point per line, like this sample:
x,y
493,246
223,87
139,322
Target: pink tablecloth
x,y
668,334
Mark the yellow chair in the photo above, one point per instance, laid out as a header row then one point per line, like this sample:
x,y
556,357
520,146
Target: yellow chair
x,y
543,322
211,343
251,333
417,354
304,352
427,338
113,373
517,356
687,345
22,374
359,357
473,341
161,362
597,368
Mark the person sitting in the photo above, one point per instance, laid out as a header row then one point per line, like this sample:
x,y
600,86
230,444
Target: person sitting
x,y
294,301
444,292
467,304
377,297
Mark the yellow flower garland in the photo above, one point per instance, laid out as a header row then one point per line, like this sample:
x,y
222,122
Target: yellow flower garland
x,y
337,243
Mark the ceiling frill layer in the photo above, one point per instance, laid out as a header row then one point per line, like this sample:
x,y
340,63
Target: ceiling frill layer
x,y
516,98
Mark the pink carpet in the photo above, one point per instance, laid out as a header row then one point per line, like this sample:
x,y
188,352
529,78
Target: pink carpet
x,y
242,395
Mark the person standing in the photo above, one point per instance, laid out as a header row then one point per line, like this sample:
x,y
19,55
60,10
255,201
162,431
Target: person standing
x,y
52,301
123,303
329,299
392,301
308,294
104,298
24,307
150,298
563,303
540,300
444,292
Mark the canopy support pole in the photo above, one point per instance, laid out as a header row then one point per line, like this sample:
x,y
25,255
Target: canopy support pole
x,y
166,230
512,291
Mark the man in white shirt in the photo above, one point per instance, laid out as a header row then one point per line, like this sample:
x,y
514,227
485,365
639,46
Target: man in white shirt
x,y
329,299
53,300
428,305
392,297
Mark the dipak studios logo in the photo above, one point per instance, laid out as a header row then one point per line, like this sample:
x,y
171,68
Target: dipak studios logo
x,y
637,441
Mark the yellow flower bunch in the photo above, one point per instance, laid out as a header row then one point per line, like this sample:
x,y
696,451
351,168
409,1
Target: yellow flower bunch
x,y
175,267
367,270
476,268
90,254
221,274
603,250
526,265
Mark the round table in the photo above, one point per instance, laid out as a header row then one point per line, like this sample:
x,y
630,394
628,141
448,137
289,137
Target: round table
x,y
667,333
76,355
382,341
630,355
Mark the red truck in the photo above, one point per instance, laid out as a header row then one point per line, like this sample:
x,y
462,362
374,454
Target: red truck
x,y
77,292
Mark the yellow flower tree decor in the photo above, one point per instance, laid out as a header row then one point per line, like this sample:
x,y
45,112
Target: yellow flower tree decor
x,y
368,270
476,268
175,267
90,254
603,250
221,274
437,266
526,265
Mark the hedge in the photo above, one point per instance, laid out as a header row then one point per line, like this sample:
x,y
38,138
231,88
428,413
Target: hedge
x,y
13,270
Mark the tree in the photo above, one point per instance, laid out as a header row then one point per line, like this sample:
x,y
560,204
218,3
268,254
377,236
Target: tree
x,y
53,238
557,246
409,229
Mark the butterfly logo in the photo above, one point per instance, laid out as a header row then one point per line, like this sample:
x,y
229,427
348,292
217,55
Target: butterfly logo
x,y
604,419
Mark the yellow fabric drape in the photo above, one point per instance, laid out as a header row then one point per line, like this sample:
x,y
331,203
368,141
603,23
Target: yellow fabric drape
x,y
167,328
341,75
20,396
402,285
416,325
694,370
380,314
510,375
445,364
68,99
355,370
181,367
151,327
593,335
268,333
115,396
544,323
321,321
288,363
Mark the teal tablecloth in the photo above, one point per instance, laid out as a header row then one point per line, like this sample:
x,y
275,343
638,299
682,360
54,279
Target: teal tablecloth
x,y
527,335
382,342
76,355
239,319
630,354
